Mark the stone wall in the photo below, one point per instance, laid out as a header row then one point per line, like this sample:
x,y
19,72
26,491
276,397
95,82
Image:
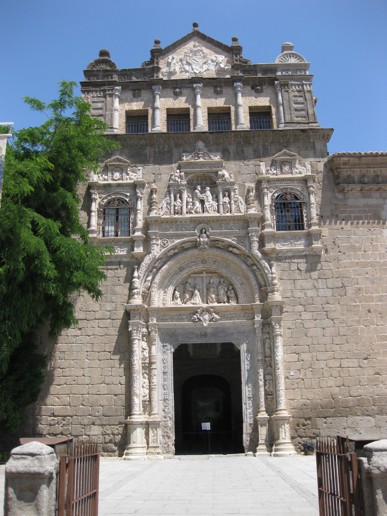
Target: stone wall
x,y
334,320
85,390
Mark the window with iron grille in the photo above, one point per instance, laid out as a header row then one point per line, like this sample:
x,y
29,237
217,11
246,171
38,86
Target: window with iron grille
x,y
219,121
137,124
288,212
260,120
116,219
178,122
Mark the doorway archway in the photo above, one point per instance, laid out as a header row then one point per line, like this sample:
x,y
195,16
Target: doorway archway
x,y
208,399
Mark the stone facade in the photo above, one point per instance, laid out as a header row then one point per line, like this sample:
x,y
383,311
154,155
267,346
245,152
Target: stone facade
x,y
248,284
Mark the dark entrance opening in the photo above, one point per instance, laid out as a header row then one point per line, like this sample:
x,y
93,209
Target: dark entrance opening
x,y
208,399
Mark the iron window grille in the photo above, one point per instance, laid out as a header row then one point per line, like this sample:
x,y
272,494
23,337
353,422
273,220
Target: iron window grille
x,y
289,214
219,122
116,219
178,123
137,124
260,120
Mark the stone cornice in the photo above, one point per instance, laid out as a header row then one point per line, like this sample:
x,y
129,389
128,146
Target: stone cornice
x,y
359,171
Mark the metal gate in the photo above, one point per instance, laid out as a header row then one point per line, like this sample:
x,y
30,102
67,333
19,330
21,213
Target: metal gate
x,y
78,481
338,478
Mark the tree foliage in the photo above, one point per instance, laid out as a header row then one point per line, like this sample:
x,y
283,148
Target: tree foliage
x,y
45,256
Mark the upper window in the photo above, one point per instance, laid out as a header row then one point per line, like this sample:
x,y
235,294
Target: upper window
x,y
260,119
137,123
288,212
116,219
219,121
178,122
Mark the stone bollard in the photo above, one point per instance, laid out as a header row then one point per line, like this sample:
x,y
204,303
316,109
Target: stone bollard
x,y
373,472
30,481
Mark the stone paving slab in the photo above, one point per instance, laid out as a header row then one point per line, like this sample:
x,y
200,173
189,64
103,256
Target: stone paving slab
x,y
209,485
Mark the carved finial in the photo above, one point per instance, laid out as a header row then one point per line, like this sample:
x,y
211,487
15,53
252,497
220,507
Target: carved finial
x,y
195,26
287,47
135,286
153,209
235,40
104,53
157,43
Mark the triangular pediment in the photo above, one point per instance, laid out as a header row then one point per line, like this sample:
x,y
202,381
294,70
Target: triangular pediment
x,y
117,160
285,155
195,55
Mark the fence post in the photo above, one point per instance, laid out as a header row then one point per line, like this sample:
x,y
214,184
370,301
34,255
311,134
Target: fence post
x,y
30,480
373,473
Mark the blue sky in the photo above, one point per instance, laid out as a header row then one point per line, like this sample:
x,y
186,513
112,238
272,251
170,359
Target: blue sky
x,y
46,41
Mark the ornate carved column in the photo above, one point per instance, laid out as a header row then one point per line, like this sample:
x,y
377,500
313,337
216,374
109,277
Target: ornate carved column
x,y
136,422
262,417
281,418
266,207
138,236
93,213
238,87
220,199
116,109
183,193
312,203
154,422
156,108
280,104
198,107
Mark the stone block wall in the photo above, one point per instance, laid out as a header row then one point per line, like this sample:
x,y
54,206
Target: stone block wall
x,y
85,390
335,333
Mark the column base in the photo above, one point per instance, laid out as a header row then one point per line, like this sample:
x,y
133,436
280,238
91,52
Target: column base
x,y
262,422
136,448
154,450
281,430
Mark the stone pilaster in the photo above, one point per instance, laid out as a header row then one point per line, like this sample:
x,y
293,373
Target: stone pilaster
x,y
136,422
93,214
156,108
312,204
138,236
198,107
262,417
238,87
281,116
154,422
116,109
280,420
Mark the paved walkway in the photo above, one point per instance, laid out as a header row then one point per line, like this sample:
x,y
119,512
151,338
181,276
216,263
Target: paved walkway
x,y
211,485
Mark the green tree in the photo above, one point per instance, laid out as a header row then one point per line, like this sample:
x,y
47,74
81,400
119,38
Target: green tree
x,y
45,256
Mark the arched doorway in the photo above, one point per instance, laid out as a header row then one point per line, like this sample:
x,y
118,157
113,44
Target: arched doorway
x,y
208,399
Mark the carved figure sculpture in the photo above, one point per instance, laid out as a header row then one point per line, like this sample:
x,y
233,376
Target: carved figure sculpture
x,y
188,292
176,297
223,175
203,239
211,292
269,384
239,204
178,205
197,198
165,208
222,292
209,204
190,205
196,299
226,203
231,296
